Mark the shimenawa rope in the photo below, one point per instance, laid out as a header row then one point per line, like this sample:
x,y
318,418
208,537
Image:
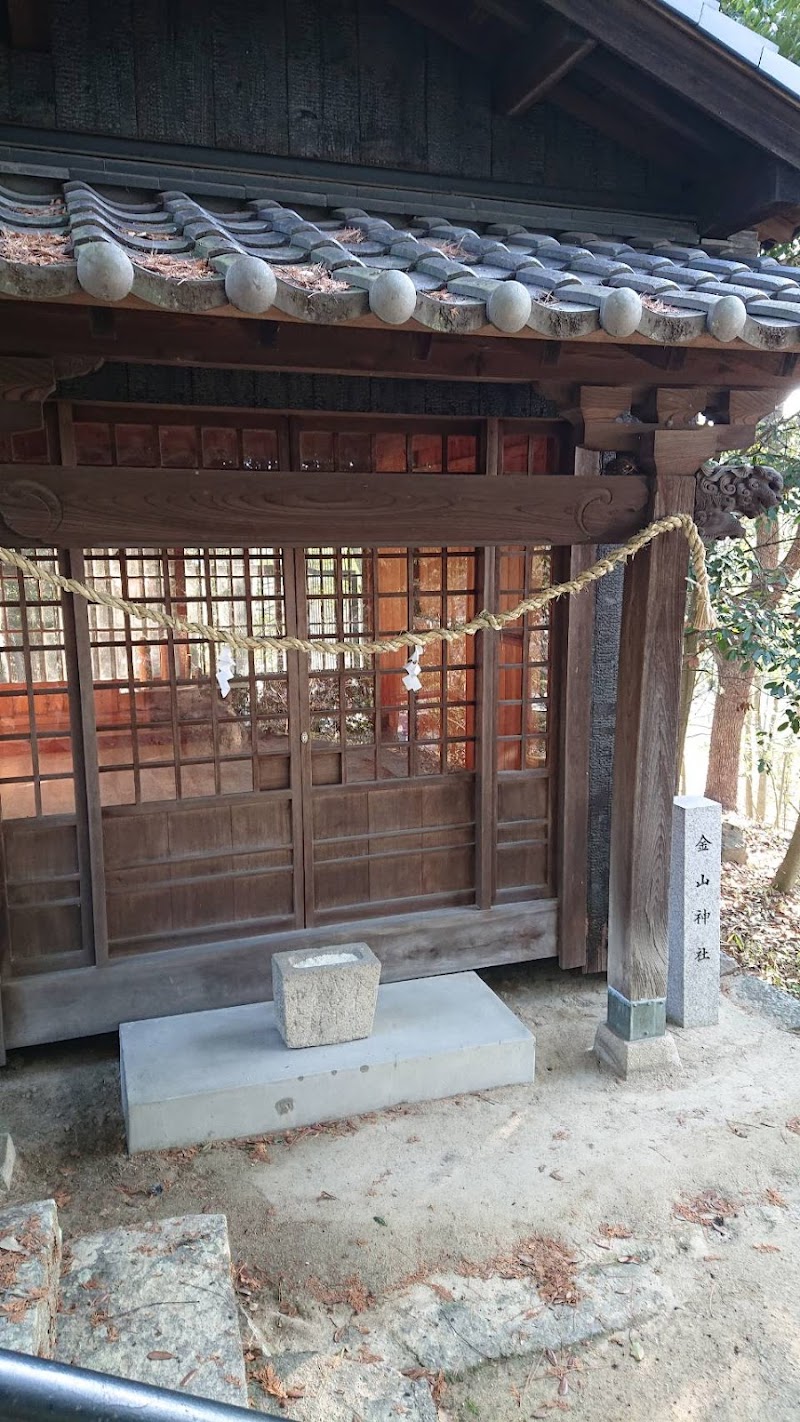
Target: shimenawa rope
x,y
704,618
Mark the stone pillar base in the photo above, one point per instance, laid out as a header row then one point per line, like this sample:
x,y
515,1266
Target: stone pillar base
x,y
650,1056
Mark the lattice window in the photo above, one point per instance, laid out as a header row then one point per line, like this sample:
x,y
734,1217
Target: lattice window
x,y
35,746
359,709
523,668
164,730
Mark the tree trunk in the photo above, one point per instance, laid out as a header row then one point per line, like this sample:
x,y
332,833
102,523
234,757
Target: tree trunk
x,y
788,871
730,711
780,794
766,724
688,683
689,668
750,763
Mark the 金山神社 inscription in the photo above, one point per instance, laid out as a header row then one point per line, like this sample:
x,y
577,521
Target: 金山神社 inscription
x,y
693,981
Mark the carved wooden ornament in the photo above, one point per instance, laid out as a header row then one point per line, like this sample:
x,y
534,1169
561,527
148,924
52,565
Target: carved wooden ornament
x,y
727,490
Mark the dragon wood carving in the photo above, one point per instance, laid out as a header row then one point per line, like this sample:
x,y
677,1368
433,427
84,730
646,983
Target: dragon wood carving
x,y
723,492
727,490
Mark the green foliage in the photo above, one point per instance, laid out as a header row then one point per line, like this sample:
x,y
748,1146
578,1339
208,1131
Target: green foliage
x,y
757,604
778,20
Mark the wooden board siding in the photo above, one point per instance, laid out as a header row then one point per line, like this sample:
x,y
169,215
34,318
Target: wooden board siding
x,y
178,874
354,82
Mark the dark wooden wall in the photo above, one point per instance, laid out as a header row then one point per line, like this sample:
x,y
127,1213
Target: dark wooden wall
x,y
345,81
280,390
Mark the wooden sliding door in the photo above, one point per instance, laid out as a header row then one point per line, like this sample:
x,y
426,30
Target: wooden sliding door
x,y
391,783
159,796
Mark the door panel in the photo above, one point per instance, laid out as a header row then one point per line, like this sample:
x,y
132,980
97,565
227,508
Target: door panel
x,y
214,854
377,847
42,924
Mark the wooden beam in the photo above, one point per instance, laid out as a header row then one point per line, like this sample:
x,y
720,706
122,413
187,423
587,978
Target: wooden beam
x,y
212,508
679,408
167,338
487,649
683,59
747,407
89,824
575,749
537,67
48,1007
645,754
25,383
747,193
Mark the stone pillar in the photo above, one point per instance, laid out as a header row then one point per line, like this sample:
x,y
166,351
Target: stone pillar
x,y
694,895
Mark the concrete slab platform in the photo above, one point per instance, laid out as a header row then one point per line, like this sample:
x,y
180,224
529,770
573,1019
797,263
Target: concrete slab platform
x,y
222,1074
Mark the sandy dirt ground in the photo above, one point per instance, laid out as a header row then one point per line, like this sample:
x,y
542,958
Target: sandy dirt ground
x,y
397,1195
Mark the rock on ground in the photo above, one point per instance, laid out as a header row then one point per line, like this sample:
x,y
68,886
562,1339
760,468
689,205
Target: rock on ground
x,y
751,991
389,1361
156,1305
8,1159
30,1258
337,1388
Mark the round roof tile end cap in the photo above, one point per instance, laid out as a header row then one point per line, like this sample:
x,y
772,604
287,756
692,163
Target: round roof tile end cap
x,y
393,297
509,307
104,271
727,317
621,312
250,285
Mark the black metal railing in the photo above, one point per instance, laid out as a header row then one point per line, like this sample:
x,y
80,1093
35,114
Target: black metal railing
x,y
33,1390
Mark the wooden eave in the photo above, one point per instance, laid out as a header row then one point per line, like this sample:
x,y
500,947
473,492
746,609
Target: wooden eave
x,y
132,330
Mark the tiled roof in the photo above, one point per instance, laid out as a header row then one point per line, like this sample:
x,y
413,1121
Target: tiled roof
x,y
750,46
342,264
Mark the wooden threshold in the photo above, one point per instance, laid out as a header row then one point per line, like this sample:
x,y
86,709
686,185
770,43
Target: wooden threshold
x,y
52,1007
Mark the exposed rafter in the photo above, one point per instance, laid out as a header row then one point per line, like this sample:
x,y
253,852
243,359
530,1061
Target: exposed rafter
x,y
538,51
537,67
649,37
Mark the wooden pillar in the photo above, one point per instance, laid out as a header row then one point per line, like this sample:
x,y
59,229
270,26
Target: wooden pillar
x,y
645,753
575,748
89,820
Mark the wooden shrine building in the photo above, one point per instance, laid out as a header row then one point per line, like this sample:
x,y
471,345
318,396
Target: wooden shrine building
x,y
341,319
